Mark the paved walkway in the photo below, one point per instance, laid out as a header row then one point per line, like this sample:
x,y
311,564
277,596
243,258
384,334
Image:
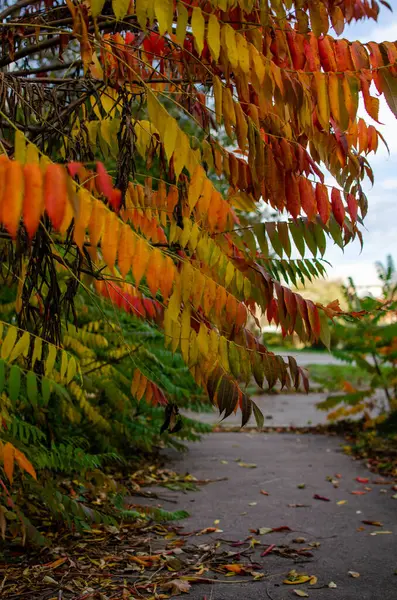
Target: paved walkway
x,y
283,462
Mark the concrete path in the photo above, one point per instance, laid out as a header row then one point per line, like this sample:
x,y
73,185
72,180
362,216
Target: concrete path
x,y
283,462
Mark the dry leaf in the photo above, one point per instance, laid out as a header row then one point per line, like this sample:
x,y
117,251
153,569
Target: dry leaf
x,y
318,497
313,580
354,574
177,587
362,479
264,493
340,502
247,465
332,584
300,593
374,523
252,503
358,493
380,532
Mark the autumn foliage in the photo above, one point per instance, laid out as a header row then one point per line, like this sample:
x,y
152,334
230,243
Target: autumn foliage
x,y
140,142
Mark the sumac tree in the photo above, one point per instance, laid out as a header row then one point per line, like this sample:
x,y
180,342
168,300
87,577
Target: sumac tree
x,y
139,140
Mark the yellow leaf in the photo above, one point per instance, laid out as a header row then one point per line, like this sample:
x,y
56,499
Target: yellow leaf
x,y
20,147
243,53
297,580
198,26
181,152
214,36
183,18
187,228
174,304
223,353
218,97
170,138
300,593
64,364
230,270
21,347
176,335
32,154
96,7
120,8
38,343
323,109
164,15
196,186
229,36
185,333
187,280
202,340
8,460
71,371
50,360
97,222
9,342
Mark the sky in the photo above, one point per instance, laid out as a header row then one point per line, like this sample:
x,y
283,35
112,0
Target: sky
x,y
380,233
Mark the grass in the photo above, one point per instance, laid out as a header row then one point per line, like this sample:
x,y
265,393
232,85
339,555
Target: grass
x,y
331,377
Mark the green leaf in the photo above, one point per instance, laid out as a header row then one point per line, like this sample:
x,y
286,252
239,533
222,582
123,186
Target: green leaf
x,y
31,387
50,361
297,236
260,233
273,235
259,418
9,342
45,390
319,236
282,228
14,383
71,372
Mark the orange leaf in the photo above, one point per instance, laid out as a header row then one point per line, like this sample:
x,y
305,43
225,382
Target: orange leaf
x,y
142,253
24,463
292,195
308,198
110,239
8,459
97,222
126,249
13,197
55,194
167,277
154,271
82,217
33,203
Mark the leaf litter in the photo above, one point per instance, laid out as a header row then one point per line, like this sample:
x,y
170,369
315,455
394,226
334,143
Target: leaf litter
x,y
144,558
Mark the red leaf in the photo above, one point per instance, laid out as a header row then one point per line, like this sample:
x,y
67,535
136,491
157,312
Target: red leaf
x,y
74,168
292,195
282,528
323,204
268,550
55,193
104,181
115,199
358,493
337,206
318,497
352,207
362,479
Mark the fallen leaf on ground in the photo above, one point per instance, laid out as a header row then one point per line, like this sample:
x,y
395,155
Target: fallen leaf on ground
x,y
216,522
177,586
362,479
313,580
358,493
301,486
354,574
209,530
236,568
296,578
318,497
247,465
299,540
394,496
252,503
264,493
379,532
300,593
264,530
57,563
298,505
49,580
282,528
332,584
374,523
224,462
257,575
268,550
340,502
